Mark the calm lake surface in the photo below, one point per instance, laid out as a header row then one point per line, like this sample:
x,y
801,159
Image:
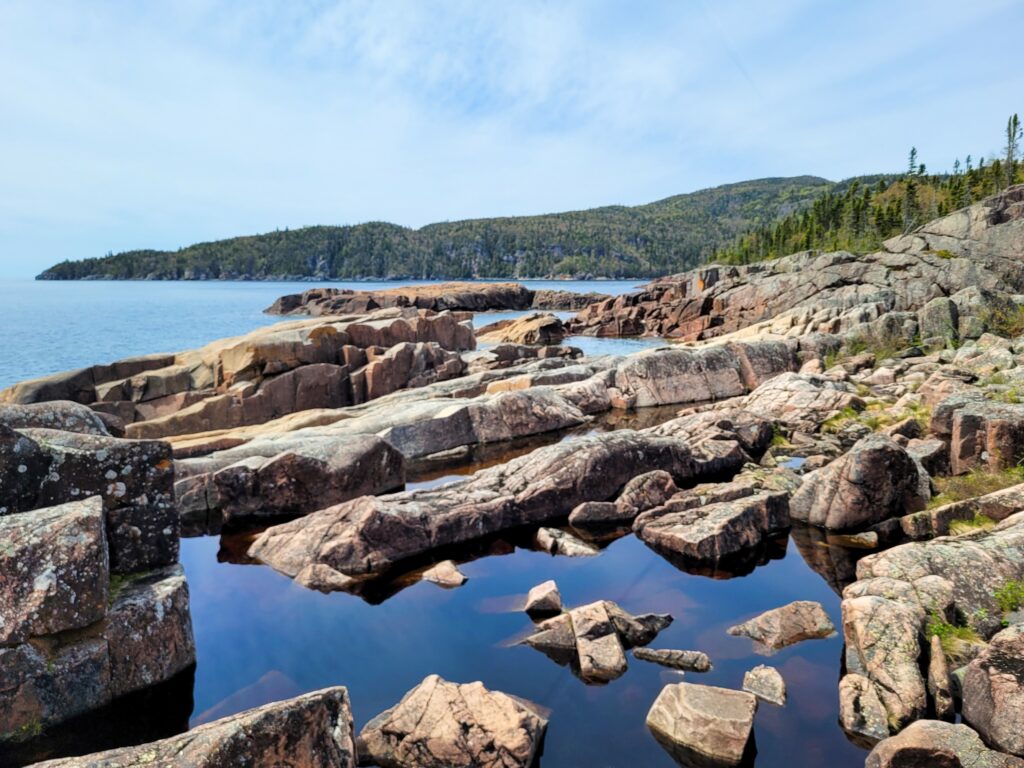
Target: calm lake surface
x,y
261,638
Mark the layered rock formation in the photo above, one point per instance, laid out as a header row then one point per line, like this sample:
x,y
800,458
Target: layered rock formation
x,y
938,281
466,297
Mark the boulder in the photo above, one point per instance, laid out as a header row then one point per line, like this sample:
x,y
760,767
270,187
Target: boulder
x,y
861,713
782,627
149,629
715,531
766,684
544,600
876,480
310,731
688,661
290,475
702,724
598,647
439,724
993,692
539,328
56,571
986,434
802,401
934,744
63,415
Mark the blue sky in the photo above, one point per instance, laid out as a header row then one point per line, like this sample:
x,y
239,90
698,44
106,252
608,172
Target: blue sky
x,y
127,125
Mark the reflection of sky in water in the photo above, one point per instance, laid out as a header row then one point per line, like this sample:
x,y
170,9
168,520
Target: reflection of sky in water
x,y
261,637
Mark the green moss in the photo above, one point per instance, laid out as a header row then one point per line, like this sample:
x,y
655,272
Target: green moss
x,y
942,253
975,483
951,636
1010,596
1006,321
976,523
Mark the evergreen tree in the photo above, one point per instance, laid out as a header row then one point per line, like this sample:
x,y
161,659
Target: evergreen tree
x,y
1013,139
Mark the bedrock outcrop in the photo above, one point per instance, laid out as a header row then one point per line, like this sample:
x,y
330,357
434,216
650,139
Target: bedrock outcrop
x,y
918,280
899,591
309,731
369,535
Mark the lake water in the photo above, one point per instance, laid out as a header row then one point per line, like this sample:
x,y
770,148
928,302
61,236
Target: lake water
x,y
46,327
262,638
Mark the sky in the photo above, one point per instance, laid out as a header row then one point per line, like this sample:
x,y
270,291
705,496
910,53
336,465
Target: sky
x,y
158,124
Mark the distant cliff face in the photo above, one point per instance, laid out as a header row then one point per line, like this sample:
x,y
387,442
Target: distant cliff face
x,y
616,241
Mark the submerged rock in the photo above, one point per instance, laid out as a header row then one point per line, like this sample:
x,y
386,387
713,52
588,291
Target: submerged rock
x,y
310,731
703,725
439,724
781,627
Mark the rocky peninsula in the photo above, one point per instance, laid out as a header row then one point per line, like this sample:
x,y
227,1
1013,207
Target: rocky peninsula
x,y
869,403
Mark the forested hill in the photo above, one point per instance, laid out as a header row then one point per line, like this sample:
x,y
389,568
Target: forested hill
x,y
616,241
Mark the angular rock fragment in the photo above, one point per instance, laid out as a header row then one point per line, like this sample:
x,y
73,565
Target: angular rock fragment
x,y
688,661
861,713
558,542
55,571
766,684
940,683
445,574
544,600
702,724
439,724
993,692
781,627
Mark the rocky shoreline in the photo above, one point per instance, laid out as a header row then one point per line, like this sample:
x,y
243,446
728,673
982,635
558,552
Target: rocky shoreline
x,y
870,401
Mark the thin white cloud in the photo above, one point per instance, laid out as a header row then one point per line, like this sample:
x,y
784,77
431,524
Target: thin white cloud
x,y
159,124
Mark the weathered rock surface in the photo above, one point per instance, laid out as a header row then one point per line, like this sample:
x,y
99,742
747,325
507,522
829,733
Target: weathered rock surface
x,y
702,724
876,480
688,661
766,684
286,477
555,541
789,624
64,415
538,328
370,534
940,683
802,401
439,724
886,610
993,692
861,713
55,570
544,599
134,479
310,731
933,744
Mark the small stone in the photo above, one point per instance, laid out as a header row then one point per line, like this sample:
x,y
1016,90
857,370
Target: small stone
x,y
445,574
558,542
688,661
766,683
544,599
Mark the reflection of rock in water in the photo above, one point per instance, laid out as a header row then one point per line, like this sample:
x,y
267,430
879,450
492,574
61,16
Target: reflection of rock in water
x,y
740,564
272,686
835,563
153,713
689,758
